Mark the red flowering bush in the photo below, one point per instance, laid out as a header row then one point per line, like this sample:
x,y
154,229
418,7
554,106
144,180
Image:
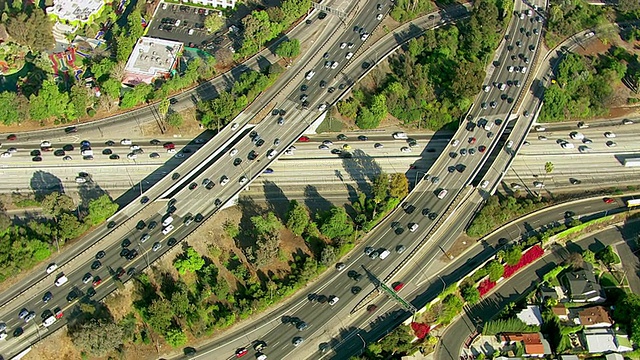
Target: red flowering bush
x,y
420,330
485,286
527,258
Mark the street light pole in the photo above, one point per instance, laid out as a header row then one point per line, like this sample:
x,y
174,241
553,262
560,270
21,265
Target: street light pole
x,y
364,343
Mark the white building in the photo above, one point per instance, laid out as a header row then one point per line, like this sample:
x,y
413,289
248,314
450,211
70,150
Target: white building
x,y
531,315
75,11
215,3
150,59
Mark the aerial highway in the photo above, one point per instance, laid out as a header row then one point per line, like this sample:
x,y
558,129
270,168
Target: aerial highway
x,y
295,118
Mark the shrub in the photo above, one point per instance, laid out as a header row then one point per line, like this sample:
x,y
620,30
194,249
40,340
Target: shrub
x,y
527,258
420,330
486,286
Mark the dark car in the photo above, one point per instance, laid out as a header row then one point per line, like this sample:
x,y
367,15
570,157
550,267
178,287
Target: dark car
x,y
141,225
126,243
72,296
237,162
217,202
107,152
199,218
17,332
433,216
155,142
71,129
152,225
120,272
409,209
363,138
35,153
100,254
172,242
132,254
356,290
36,159
68,147
144,200
124,252
91,292
59,153
111,225
47,296
114,157
96,265
323,84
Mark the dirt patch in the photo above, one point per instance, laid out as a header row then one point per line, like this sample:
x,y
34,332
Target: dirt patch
x,y
190,127
57,346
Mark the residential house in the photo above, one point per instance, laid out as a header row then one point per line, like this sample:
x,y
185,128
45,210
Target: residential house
x,y
535,345
582,285
606,340
561,312
613,356
531,315
594,317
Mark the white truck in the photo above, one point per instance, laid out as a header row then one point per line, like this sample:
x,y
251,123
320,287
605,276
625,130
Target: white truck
x,y
631,162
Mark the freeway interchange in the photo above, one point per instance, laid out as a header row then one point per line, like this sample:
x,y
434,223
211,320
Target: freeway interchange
x,y
242,152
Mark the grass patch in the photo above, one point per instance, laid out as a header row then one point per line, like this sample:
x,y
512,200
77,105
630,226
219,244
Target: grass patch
x,y
607,280
330,124
576,229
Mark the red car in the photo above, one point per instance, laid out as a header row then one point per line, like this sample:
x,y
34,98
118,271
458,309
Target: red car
x,y
372,308
482,148
608,200
12,137
472,140
241,352
97,281
58,313
304,138
169,146
398,286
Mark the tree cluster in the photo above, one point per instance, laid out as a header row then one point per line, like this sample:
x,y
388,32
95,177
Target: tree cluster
x,y
497,211
262,26
434,77
569,17
267,232
31,28
288,48
584,86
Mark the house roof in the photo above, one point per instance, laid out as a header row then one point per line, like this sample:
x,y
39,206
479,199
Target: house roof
x,y
594,315
533,344
152,57
531,315
614,356
582,284
605,340
560,310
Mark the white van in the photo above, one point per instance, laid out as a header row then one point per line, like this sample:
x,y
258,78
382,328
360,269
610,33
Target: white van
x,y
488,126
167,230
400,136
576,135
310,74
567,145
167,221
442,194
86,152
49,321
61,280
384,254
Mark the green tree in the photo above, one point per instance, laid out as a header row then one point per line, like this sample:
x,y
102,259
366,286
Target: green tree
x,y
181,303
13,108
175,337
163,107
328,255
608,256
297,217
213,22
267,224
349,107
97,338
174,119
111,87
31,28
495,270
55,204
513,254
69,227
380,188
159,315
139,94
337,224
49,102
288,48
399,186
190,261
470,294
102,69
101,209
548,167
80,98
233,230
589,256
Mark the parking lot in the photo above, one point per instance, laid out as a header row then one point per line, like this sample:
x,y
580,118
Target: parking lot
x,y
183,23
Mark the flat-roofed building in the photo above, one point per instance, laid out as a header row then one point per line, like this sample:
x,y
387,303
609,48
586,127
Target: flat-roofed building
x,y
75,11
151,59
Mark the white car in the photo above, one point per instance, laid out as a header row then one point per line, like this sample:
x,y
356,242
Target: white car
x,y
51,268
134,147
49,321
611,143
442,194
6,154
322,107
132,156
455,142
343,45
310,74
171,151
272,154
327,142
538,184
523,69
45,144
233,152
484,184
125,142
609,135
334,64
540,128
510,68
243,180
379,17
576,135
589,34
509,144
486,88
334,300
234,126
364,36
167,230
405,149
413,227
349,55
224,180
